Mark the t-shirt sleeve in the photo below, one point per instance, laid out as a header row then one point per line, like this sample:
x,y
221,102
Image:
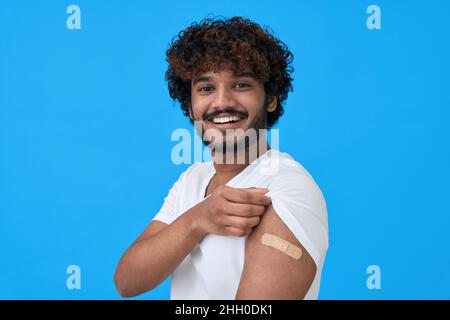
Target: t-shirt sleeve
x,y
299,203
168,212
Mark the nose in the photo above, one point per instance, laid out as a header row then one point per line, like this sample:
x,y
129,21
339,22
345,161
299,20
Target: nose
x,y
223,99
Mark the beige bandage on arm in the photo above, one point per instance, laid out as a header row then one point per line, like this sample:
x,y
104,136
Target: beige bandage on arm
x,y
281,245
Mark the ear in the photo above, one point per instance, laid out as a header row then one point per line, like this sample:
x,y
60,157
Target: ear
x,y
191,115
272,104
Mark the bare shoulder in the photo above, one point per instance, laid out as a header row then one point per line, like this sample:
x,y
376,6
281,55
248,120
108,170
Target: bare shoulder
x,y
270,273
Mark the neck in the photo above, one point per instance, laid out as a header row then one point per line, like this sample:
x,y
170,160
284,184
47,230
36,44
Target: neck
x,y
230,166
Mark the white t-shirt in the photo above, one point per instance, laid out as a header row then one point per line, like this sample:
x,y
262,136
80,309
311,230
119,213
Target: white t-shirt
x,y
213,269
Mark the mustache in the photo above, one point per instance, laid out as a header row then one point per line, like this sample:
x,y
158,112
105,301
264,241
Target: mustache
x,y
215,113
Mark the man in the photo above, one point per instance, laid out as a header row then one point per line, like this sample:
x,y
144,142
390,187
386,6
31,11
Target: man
x,y
252,223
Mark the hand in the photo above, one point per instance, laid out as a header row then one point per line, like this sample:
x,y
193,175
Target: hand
x,y
231,211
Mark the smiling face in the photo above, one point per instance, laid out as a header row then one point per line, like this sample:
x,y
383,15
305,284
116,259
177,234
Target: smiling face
x,y
226,102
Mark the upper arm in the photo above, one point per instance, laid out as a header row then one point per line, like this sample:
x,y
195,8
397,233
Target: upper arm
x,y
269,273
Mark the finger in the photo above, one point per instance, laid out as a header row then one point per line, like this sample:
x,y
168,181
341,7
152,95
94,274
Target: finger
x,y
232,231
241,222
244,210
247,195
261,193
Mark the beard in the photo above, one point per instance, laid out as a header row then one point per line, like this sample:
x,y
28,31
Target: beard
x,y
235,141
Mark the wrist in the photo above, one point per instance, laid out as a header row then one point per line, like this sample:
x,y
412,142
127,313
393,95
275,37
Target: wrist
x,y
195,226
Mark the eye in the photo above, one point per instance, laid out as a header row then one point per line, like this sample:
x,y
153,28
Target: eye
x,y
205,89
242,85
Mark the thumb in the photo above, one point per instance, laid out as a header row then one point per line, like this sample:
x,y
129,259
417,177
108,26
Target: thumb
x,y
258,190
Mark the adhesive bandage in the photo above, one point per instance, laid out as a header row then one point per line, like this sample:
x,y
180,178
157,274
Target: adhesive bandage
x,y
281,245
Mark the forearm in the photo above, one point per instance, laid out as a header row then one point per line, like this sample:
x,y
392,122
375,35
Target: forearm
x,y
149,261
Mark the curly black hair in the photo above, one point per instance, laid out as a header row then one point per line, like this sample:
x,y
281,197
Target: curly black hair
x,y
237,44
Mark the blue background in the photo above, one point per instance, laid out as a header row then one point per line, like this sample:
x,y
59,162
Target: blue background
x,y
86,120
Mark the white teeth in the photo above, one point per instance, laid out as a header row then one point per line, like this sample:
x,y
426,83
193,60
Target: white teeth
x,y
225,119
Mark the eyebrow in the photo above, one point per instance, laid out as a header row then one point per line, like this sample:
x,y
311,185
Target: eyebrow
x,y
236,75
199,79
245,74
